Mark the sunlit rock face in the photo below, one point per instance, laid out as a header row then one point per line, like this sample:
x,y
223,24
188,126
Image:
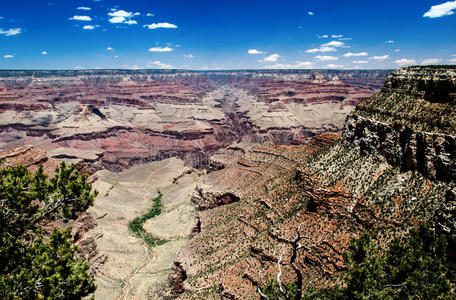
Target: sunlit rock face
x,y
118,118
411,122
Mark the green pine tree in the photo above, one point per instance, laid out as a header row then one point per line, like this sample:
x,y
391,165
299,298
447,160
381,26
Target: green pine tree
x,y
33,264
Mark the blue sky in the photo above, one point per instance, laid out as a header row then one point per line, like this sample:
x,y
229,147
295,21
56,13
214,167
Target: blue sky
x,y
228,34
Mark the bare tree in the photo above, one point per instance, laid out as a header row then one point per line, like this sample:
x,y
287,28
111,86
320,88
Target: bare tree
x,y
295,247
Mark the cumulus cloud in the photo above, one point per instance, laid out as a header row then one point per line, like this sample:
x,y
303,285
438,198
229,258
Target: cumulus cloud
x,y
360,61
389,42
379,57
160,49
321,49
452,60
271,58
11,31
189,56
122,17
333,44
310,13
8,56
325,57
130,22
430,61
149,15
405,61
324,36
80,18
444,9
84,8
333,66
44,53
350,54
336,36
160,65
110,49
254,51
298,65
160,25
90,27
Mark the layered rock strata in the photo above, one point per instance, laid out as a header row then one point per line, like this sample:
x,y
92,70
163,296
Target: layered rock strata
x,y
115,119
422,135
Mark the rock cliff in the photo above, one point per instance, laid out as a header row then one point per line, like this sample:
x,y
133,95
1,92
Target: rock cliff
x,y
411,122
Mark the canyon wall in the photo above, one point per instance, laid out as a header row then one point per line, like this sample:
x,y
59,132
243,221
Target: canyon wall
x,y
411,122
114,119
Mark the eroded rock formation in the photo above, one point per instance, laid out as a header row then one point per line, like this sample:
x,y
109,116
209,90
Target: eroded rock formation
x,y
115,119
422,135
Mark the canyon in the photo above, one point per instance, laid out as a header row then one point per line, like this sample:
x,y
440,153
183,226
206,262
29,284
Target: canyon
x,y
245,161
114,119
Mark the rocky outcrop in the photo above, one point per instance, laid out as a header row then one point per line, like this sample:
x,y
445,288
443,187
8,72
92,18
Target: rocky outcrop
x,y
206,198
432,153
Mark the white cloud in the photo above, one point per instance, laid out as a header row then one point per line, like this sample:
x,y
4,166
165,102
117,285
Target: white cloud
x,y
272,58
44,53
84,8
333,66
333,44
90,27
8,56
452,60
80,18
444,9
321,49
379,57
110,49
324,36
325,57
310,13
360,61
397,50
298,65
122,16
350,54
115,20
11,31
149,15
160,25
130,22
405,61
254,51
121,13
160,49
336,36
389,42
160,65
189,56
430,61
